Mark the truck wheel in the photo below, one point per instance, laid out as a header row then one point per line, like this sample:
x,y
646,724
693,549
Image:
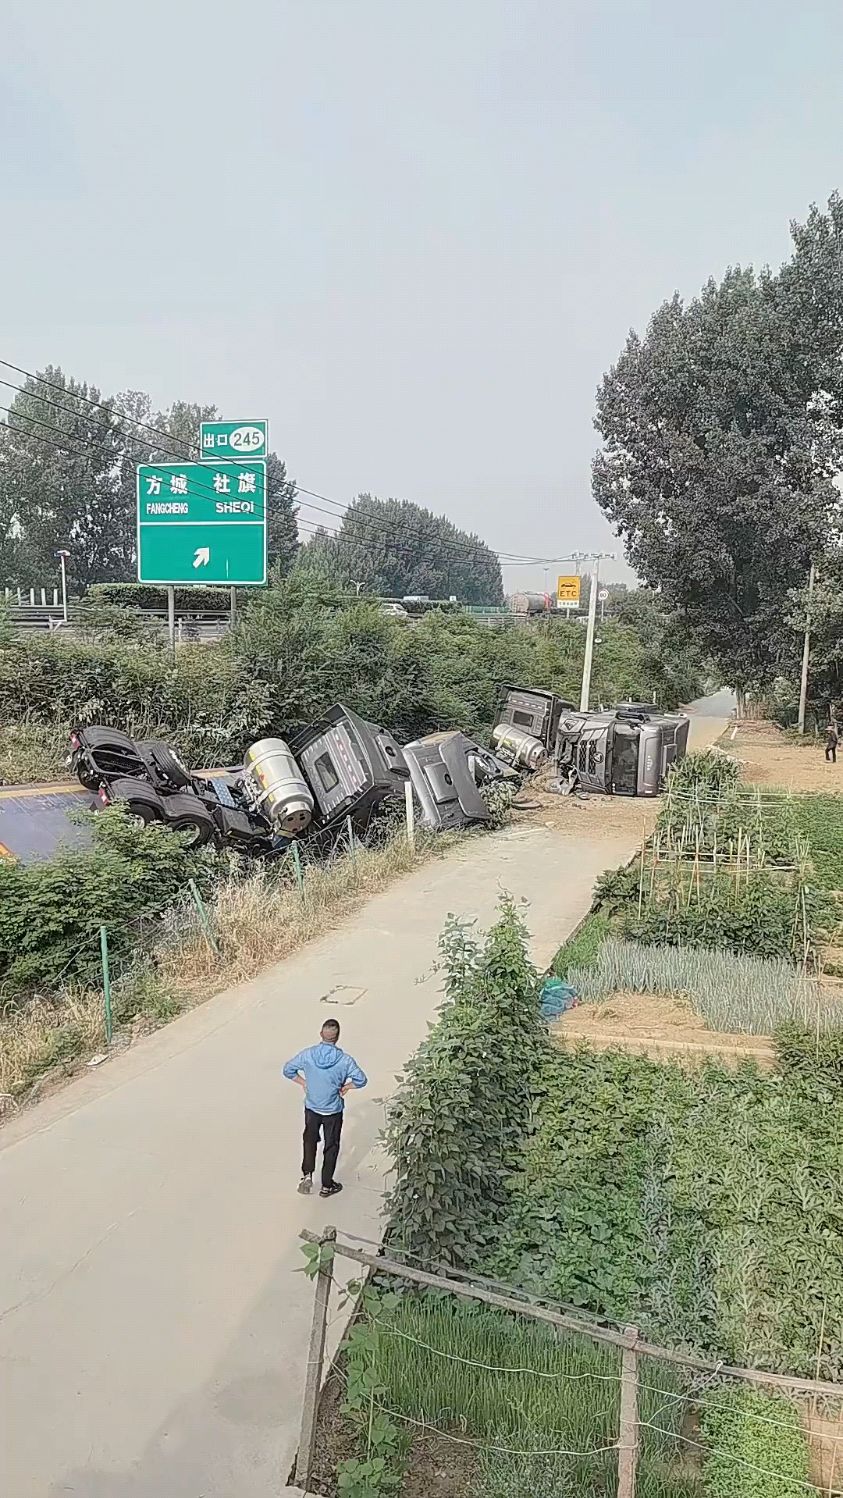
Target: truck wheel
x,y
189,814
87,776
141,799
166,762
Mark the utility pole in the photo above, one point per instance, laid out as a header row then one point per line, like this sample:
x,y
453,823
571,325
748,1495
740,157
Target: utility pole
x,y
596,558
806,652
63,556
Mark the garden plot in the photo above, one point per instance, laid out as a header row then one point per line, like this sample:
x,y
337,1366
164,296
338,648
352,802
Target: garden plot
x,y
692,1002
657,1025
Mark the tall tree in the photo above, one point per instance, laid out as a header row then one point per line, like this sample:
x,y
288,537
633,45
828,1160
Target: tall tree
x,y
282,532
59,461
398,548
717,465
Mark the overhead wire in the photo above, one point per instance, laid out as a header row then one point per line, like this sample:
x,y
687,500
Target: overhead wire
x,y
468,549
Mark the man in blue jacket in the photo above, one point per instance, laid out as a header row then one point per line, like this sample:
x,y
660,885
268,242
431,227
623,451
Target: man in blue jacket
x,y
325,1074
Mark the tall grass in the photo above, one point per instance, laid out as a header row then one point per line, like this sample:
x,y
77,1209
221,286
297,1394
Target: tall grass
x,y
502,1381
32,751
258,916
729,991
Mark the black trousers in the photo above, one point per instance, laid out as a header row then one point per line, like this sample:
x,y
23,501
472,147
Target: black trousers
x,y
330,1126
831,752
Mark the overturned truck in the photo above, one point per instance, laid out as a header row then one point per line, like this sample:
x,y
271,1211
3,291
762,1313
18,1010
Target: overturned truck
x,y
339,769
626,750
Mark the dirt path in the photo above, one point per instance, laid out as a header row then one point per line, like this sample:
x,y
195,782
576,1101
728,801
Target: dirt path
x,y
772,759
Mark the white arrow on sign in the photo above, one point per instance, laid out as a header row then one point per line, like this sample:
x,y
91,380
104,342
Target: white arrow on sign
x,y
202,556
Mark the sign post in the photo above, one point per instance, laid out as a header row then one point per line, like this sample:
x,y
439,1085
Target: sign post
x,y
202,523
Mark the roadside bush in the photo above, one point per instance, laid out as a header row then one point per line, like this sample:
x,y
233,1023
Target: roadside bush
x,y
291,656
50,913
755,1446
146,596
457,1122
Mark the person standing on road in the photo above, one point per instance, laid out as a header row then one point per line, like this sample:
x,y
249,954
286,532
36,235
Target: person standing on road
x,y
325,1074
831,742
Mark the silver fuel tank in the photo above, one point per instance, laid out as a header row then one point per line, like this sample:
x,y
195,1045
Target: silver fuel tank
x,y
522,747
277,787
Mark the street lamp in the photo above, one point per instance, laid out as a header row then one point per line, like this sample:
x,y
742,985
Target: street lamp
x,y
63,557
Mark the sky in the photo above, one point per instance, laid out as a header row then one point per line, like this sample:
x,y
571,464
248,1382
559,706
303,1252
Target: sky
x,y
413,235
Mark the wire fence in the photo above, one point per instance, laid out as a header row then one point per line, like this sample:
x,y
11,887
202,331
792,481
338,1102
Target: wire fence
x,y
118,976
517,1386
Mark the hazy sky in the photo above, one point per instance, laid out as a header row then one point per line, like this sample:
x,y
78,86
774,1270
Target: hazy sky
x,y
412,234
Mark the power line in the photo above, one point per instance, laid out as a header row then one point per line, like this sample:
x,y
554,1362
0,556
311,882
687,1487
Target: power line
x,y
468,550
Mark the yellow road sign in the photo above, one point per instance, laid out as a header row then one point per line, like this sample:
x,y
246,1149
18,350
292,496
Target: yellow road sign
x,y
568,590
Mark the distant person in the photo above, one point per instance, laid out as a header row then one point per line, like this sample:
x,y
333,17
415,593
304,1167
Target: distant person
x,y
831,741
325,1074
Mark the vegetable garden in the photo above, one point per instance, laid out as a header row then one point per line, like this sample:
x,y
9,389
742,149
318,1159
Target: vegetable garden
x,y
702,1205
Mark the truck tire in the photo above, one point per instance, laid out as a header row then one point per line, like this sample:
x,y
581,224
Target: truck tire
x,y
141,799
189,814
103,754
166,762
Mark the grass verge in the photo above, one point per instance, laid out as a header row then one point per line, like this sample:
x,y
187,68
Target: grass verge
x,y
31,753
257,917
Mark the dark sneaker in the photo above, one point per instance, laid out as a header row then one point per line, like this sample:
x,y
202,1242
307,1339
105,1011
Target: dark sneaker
x,y
305,1185
331,1190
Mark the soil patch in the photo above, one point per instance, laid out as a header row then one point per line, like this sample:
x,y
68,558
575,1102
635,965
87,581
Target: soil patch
x,y
771,758
659,1025
436,1467
575,816
439,1468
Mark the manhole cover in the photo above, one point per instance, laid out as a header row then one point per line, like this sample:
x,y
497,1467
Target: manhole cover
x,y
343,994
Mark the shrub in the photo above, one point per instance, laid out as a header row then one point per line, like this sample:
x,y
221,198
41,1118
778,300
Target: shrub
x,y
703,1206
50,913
755,1447
458,1119
146,596
812,1059
764,915
709,771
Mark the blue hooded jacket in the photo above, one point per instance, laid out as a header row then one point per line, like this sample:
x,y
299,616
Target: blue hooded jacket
x,y
325,1069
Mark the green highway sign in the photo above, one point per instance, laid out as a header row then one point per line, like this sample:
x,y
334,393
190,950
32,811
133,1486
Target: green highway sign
x,y
233,439
202,523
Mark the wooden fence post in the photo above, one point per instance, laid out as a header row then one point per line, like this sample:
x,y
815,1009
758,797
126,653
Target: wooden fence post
x,y
628,1437
315,1359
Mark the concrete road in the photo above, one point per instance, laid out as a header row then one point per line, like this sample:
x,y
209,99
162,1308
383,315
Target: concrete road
x,y
152,1331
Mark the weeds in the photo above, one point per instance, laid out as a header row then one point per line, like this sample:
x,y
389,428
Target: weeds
x,y
32,752
259,916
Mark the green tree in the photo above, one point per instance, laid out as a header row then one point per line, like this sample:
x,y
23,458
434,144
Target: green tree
x,y
717,465
59,463
399,548
282,532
